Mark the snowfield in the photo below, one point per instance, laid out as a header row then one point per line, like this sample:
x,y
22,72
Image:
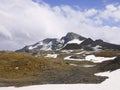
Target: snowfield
x,y
91,58
113,83
95,59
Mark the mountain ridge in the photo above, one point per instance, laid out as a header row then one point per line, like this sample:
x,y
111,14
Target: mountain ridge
x,y
69,41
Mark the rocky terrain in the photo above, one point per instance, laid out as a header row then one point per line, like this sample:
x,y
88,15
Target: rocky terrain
x,y
56,67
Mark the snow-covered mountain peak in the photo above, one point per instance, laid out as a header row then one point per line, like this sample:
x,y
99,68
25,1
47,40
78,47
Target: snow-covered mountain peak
x,y
71,36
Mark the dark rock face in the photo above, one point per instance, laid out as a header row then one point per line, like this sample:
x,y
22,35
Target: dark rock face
x,y
105,45
72,46
25,49
84,45
77,57
87,41
89,44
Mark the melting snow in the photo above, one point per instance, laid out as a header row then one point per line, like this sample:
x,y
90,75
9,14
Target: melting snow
x,y
67,51
30,48
68,58
52,55
82,52
87,66
103,73
45,47
75,41
95,59
92,58
97,48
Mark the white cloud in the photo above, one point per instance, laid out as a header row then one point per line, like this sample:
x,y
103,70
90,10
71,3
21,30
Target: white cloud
x,y
4,33
91,12
111,11
23,22
111,7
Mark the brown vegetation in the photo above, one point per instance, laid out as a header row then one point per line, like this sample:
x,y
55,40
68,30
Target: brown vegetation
x,y
20,69
107,53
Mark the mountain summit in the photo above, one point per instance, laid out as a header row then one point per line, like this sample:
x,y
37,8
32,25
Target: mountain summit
x,y
71,36
69,41
52,43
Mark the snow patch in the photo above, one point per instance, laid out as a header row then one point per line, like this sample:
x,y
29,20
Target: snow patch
x,y
30,48
86,66
67,51
52,55
77,41
35,46
95,59
103,73
47,47
68,58
82,52
91,58
97,48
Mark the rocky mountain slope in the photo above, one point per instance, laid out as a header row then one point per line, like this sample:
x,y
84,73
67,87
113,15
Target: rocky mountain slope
x,y
52,43
89,44
70,41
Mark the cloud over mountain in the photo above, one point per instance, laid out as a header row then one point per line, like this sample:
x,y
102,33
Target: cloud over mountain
x,y
25,22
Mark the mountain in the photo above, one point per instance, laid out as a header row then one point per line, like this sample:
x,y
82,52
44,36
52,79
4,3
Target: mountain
x,y
69,41
52,43
46,44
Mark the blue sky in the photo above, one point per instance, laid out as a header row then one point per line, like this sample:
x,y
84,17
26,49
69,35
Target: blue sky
x,y
85,5
82,3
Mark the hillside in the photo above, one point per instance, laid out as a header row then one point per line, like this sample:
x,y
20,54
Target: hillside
x,y
21,69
